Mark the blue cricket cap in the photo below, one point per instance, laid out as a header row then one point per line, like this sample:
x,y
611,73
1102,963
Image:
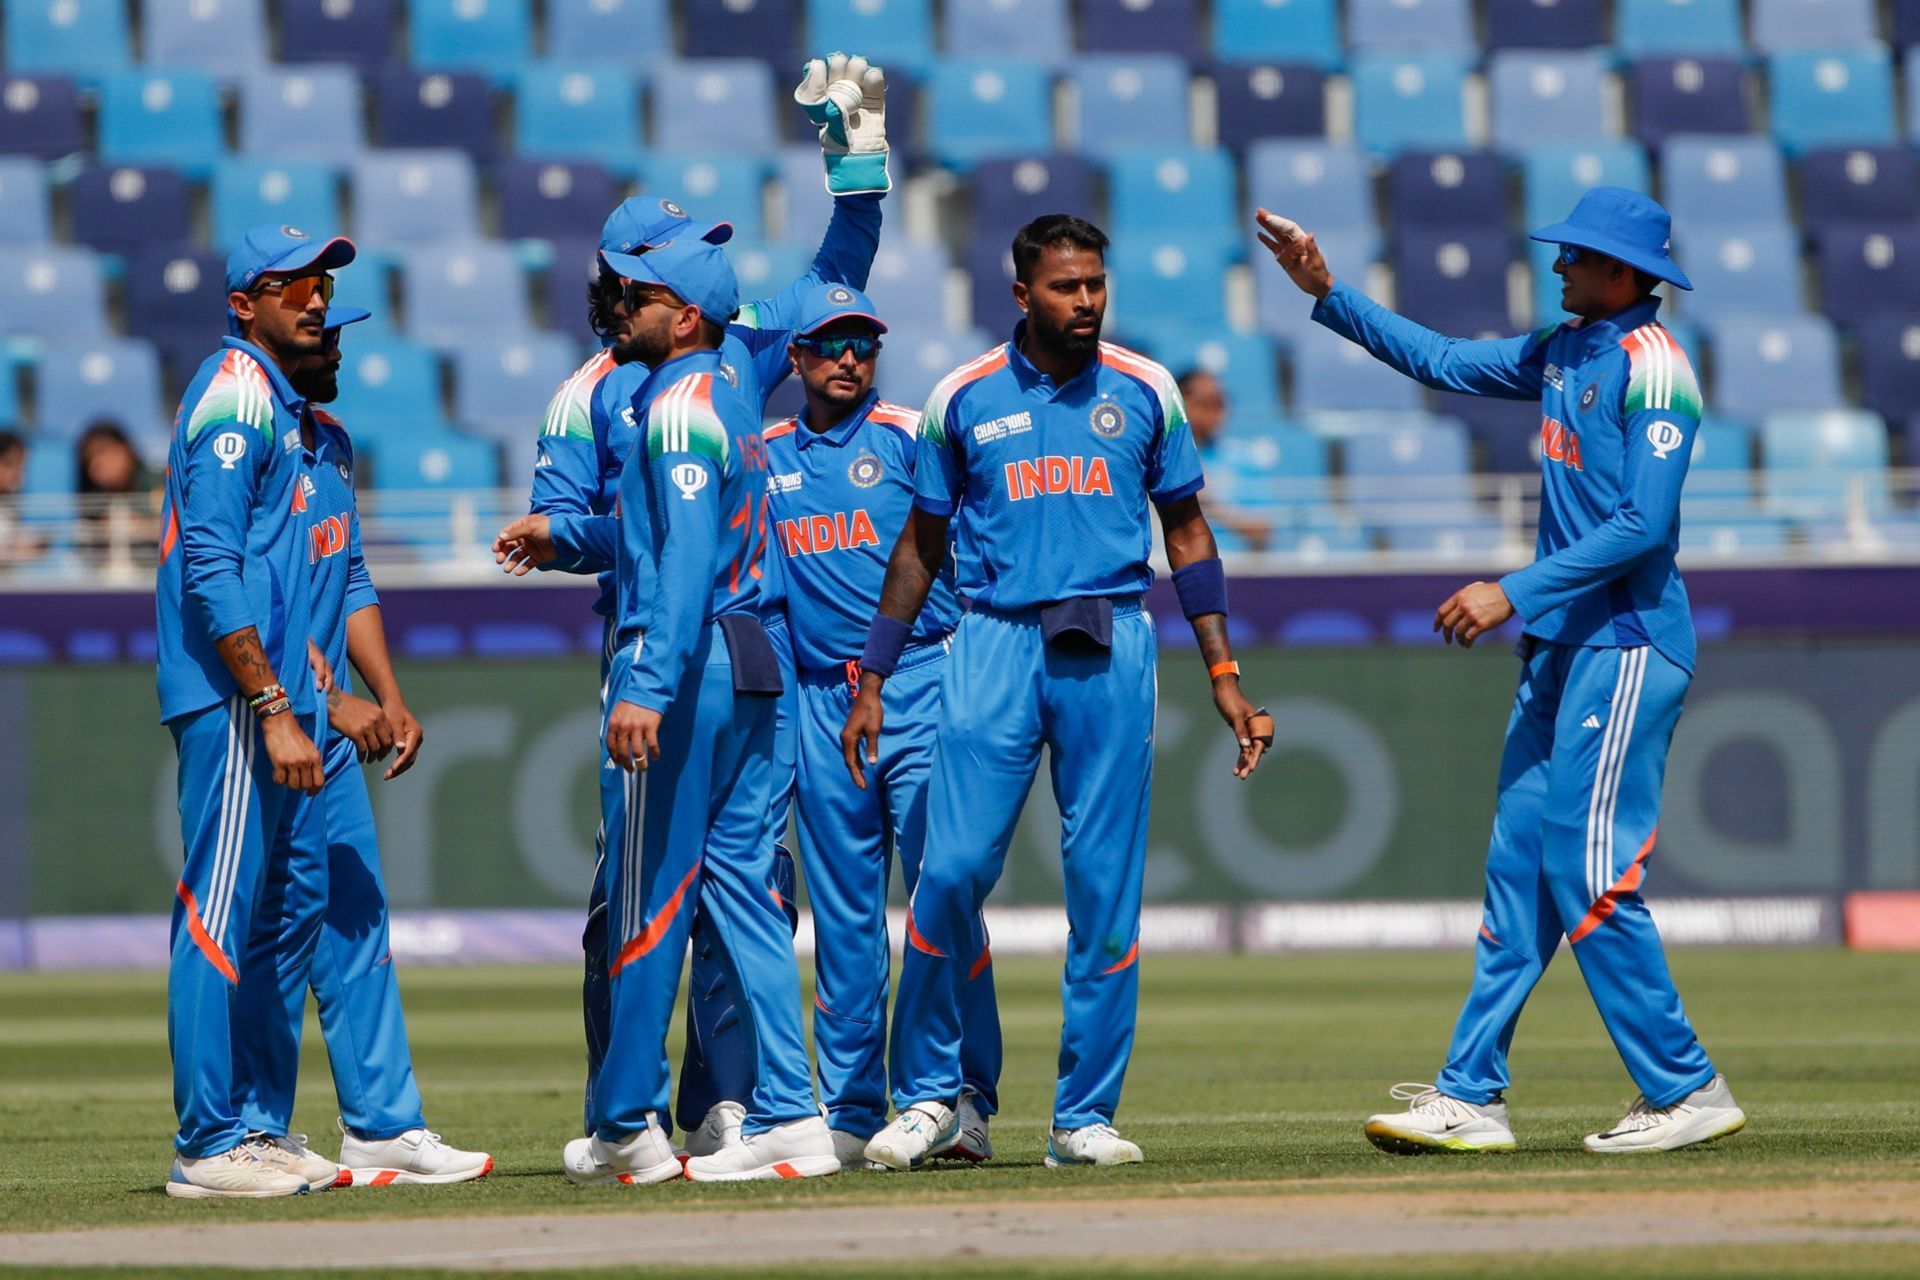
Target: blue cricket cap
x,y
640,223
827,304
1624,225
340,317
279,250
694,266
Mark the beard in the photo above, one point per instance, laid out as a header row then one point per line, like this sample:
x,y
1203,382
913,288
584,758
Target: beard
x,y
319,385
650,347
1063,340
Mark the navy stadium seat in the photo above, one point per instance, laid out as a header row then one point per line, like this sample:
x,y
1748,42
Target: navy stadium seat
x,y
501,389
1858,186
1687,95
1287,31
1765,363
1870,273
24,216
1281,310
1812,24
176,298
1140,26
990,285
981,108
1831,97
1410,99
118,210
1723,181
1541,97
908,283
632,31
896,35
1701,27
1546,24
723,103
1555,176
1008,193
83,379
409,196
67,37
1130,100
1446,189
490,36
545,200
161,118
250,193
1330,374
1171,191
1506,432
996,29
579,111
1432,26
1890,368
310,113
765,29
1268,100
357,33
51,291
1906,23
437,109
458,290
1455,279
221,37
40,116
715,187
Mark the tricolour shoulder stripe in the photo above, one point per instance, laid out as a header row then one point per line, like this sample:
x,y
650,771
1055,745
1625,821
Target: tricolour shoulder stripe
x,y
894,415
785,427
684,420
237,392
1660,376
1173,407
932,421
570,412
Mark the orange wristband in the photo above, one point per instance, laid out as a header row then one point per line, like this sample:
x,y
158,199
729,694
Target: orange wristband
x,y
1227,668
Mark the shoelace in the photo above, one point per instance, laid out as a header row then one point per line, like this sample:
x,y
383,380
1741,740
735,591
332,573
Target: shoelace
x,y
1641,1116
1423,1098
1099,1131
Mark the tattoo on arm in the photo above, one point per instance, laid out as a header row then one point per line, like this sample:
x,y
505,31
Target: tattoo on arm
x,y
1210,629
246,660
911,569
333,699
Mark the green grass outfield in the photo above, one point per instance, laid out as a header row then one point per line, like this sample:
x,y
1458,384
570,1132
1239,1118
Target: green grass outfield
x,y
1250,1074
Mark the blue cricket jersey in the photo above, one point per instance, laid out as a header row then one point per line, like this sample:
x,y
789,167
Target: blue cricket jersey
x,y
839,499
234,542
1620,408
341,585
1051,483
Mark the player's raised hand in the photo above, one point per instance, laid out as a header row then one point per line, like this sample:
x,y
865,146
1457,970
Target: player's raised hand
x,y
1252,726
361,722
408,738
1471,612
633,736
847,98
1294,248
860,737
524,545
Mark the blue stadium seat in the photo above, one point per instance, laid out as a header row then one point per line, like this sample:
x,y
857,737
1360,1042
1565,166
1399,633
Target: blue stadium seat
x,y
1817,462
768,30
579,111
389,386
630,31
459,290
545,200
1130,100
40,116
1171,279
1140,26
1268,100
85,379
1412,477
1506,433
908,282
1906,23
1278,31
1279,471
989,107
730,188
1555,176
896,35
996,29
1245,363
1009,193
1454,279
404,196
1446,189
1281,310
1913,99
989,271
1858,186
1812,24
118,210
439,109
1674,96
1332,375
432,460
1890,367
10,415
1831,98
1723,181
806,209
501,389
24,217
51,291
1546,24
1431,26
309,113
357,33
1173,191
225,38
573,264
917,359
1703,27
252,193
1327,188
1750,269
765,269
176,299
722,103
161,118
1541,97
1761,364
1870,273
66,37
1410,99
490,36
1701,540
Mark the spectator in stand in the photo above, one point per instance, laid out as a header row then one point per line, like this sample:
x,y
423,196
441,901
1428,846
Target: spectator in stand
x,y
120,505
1206,398
17,545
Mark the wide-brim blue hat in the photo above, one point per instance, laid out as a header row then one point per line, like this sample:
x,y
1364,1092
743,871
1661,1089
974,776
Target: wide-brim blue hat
x,y
694,266
1624,225
827,304
282,250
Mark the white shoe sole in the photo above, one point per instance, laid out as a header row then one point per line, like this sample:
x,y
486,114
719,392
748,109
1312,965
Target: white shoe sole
x,y
1705,1127
667,1172
194,1191
1061,1162
797,1167
374,1176
1395,1140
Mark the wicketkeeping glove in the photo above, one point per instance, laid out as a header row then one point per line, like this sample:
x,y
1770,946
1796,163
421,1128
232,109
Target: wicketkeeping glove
x,y
847,98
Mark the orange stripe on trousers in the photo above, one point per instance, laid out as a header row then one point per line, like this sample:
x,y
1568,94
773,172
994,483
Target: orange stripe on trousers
x,y
1133,954
204,940
1629,881
656,929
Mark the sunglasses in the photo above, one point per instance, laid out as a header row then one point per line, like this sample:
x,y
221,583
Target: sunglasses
x,y
1570,254
298,292
637,296
863,346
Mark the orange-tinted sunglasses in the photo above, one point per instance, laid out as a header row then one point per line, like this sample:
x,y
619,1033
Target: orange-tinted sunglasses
x,y
298,292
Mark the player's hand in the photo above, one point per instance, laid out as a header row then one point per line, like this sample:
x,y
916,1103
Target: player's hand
x,y
524,545
408,738
362,722
847,98
1471,612
296,761
1252,727
1294,248
633,736
860,737
322,669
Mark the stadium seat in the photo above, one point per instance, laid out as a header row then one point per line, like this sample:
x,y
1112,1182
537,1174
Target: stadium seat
x,y
1306,31
356,33
896,35
908,282
989,272
1870,273
439,109
50,291
1430,26
545,200
723,103
1009,193
1913,99
1812,24
1331,375
1412,99
1326,188
1245,363
765,269
457,290
1140,26
1818,464
67,37
1555,176
990,107
991,30
225,38
1687,95
1831,98
1130,100
1268,100
432,460
768,30
1175,280
579,111
501,390
1173,191
84,379
1761,364
1410,478
1890,368
40,116
389,386
1751,269
1546,24
563,283
311,113
403,196
24,217
1543,97
1454,279
1858,186
1699,27
1723,182
176,299
1446,189
168,118
118,210
1906,23
494,37
805,207
251,193
1505,433
729,188
915,361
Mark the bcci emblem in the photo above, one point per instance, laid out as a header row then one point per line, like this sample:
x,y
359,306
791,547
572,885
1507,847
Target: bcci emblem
x,y
1589,396
865,471
840,295
1109,419
293,233
731,374
346,474
672,210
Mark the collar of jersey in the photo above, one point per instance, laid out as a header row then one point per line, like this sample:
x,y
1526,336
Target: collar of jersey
x,y
705,360
842,431
1028,375
328,440
282,389
1621,323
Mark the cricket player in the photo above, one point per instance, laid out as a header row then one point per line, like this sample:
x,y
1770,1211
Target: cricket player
x,y
236,691
841,490
1607,651
584,441
1049,449
691,722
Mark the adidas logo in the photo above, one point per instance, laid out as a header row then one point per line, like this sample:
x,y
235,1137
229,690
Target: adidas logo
x,y
1591,722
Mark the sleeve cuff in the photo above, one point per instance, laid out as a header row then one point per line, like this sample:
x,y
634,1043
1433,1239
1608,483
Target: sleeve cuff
x,y
932,506
1515,587
1187,490
364,598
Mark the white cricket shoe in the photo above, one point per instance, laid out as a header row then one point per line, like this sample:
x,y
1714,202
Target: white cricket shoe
x,y
289,1153
415,1158
644,1158
1095,1144
796,1149
972,1145
1704,1115
238,1172
1434,1121
851,1149
917,1135
721,1128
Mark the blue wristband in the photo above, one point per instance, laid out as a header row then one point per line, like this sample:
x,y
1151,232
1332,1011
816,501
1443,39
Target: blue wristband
x,y
886,640
1202,587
